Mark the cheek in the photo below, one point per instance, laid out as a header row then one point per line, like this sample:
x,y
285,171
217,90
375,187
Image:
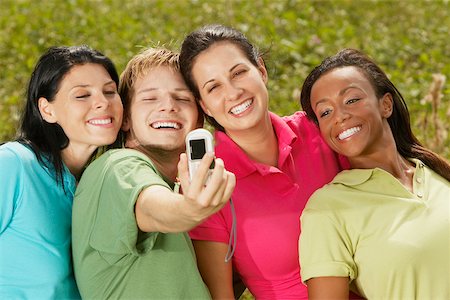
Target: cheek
x,y
322,129
194,114
208,104
325,129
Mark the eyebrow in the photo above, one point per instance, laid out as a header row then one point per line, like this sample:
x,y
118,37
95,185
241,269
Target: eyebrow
x,y
110,82
86,85
154,89
230,70
341,92
146,90
351,86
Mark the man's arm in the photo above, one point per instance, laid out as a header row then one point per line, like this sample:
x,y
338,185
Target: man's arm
x,y
159,209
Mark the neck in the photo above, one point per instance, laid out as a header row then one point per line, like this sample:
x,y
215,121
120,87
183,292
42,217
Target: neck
x,y
389,160
259,143
76,159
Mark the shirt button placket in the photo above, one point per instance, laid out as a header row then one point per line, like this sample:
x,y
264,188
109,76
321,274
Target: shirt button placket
x,y
420,179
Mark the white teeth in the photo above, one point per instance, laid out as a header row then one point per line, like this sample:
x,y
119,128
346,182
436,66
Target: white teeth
x,y
173,125
100,121
241,108
349,132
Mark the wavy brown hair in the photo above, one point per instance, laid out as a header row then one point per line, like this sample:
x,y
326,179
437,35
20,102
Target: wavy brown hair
x,y
201,40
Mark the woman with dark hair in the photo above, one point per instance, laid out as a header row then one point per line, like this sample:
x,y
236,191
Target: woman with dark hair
x,y
381,229
72,108
278,162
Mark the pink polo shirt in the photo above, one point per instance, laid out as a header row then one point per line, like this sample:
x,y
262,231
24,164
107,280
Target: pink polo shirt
x,y
268,202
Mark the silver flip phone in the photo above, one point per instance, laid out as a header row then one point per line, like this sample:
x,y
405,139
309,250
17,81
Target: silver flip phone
x,y
198,142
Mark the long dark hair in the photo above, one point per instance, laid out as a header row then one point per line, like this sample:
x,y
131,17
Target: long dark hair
x,y
407,144
202,39
48,139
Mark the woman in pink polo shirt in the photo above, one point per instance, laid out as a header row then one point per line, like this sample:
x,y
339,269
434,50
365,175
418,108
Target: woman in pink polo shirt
x,y
278,162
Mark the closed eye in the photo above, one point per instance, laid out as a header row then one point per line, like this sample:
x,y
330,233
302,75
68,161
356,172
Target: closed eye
x,y
183,99
83,96
212,88
109,93
239,72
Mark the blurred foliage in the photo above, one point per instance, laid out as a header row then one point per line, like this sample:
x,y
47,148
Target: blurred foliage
x,y
409,39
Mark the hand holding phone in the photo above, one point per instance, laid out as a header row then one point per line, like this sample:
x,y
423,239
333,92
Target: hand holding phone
x,y
198,142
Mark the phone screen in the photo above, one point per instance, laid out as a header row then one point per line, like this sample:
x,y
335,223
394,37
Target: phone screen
x,y
198,148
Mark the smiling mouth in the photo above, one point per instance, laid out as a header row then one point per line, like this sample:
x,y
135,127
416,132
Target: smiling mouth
x,y
100,121
348,132
241,107
166,125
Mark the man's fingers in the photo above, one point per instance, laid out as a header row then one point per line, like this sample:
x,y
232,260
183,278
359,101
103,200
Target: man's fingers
x,y
231,183
183,172
199,178
217,186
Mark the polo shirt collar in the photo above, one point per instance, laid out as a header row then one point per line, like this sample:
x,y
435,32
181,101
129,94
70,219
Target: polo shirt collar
x,y
240,164
355,177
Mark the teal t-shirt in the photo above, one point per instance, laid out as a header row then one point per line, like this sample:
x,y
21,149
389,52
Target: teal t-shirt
x,y
35,228
390,242
115,260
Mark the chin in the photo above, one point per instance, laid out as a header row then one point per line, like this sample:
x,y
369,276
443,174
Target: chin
x,y
169,148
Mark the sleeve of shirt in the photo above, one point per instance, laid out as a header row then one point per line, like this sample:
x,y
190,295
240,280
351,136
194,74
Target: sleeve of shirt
x,y
324,246
10,186
115,232
214,228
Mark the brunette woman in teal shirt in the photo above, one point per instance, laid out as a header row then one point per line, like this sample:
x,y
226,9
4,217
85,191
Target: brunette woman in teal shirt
x,y
72,108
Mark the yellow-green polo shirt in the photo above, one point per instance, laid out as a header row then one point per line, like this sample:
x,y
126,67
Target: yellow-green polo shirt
x,y
391,243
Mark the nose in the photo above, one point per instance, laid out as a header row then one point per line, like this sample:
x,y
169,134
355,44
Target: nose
x,y
232,92
341,114
168,103
101,101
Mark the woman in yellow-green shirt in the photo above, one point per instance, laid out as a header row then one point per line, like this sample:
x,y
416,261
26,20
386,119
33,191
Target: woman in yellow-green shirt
x,y
381,229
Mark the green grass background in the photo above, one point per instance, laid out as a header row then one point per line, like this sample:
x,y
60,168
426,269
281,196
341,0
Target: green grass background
x,y
409,39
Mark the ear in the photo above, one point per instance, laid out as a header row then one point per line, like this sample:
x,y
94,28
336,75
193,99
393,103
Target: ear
x,y
386,105
126,123
205,109
47,110
262,69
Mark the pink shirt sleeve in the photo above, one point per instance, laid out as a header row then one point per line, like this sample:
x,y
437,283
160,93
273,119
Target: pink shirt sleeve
x,y
214,228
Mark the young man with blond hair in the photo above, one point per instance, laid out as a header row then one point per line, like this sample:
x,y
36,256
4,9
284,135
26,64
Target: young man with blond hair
x,y
129,225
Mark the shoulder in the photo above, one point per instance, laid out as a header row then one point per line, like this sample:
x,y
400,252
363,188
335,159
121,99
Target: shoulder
x,y
16,151
339,193
121,166
14,155
301,121
323,198
303,127
120,158
328,196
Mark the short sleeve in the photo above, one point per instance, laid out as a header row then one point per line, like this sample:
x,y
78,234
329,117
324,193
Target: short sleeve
x,y
324,247
10,186
115,232
214,228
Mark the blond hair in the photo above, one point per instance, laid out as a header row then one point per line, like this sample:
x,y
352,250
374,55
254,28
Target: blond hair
x,y
140,65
